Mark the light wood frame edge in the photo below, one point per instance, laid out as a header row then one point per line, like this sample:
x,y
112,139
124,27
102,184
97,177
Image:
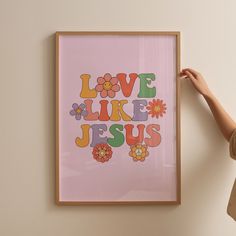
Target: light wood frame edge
x,y
178,135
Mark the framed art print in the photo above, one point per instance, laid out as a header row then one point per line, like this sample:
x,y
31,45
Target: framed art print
x,y
117,118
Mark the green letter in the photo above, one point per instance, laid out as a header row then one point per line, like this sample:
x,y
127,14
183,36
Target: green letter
x,y
118,139
144,90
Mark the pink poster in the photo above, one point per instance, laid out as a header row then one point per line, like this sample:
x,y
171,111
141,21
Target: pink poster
x,y
117,118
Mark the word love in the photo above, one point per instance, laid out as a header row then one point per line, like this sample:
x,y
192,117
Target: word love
x,y
108,85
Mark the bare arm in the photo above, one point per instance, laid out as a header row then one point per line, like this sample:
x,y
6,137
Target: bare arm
x,y
223,119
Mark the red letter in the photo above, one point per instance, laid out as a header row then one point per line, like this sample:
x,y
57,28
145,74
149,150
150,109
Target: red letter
x,y
127,87
130,139
155,137
103,112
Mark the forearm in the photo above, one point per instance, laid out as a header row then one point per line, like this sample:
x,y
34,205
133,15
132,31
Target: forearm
x,y
223,119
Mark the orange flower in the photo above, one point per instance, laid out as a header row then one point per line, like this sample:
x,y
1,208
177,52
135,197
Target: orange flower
x,y
102,152
156,108
138,152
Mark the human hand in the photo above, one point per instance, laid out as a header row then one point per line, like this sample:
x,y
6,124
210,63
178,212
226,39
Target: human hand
x,y
197,80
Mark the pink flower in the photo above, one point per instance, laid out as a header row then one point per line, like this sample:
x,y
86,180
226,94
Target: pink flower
x,y
107,86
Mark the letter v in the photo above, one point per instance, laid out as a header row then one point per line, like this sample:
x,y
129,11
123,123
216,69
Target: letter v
x,y
127,87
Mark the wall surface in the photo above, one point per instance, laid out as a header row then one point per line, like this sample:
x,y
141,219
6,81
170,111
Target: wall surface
x,y
27,99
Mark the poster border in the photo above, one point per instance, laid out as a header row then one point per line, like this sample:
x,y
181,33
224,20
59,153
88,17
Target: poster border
x,y
178,135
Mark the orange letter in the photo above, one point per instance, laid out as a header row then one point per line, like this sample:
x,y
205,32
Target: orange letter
x,y
130,139
103,112
127,87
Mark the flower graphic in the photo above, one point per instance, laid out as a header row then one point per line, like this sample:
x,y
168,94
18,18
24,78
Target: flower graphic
x,y
139,152
78,111
102,152
107,86
156,108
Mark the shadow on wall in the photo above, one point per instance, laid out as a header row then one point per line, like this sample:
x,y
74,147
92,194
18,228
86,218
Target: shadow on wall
x,y
50,117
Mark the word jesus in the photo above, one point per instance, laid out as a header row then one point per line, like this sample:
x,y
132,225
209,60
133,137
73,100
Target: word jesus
x,y
118,139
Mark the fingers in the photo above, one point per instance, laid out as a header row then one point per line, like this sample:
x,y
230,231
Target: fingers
x,y
192,71
185,73
190,75
182,73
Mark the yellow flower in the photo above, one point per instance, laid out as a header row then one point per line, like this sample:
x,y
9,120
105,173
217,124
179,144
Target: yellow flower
x,y
138,152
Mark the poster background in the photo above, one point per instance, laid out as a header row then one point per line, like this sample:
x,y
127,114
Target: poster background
x,y
82,178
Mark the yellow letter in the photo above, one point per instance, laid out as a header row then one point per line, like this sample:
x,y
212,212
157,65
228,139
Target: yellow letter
x,y
84,141
117,110
86,92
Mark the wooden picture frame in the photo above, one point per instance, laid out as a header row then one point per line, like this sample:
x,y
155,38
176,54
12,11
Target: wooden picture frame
x,y
118,118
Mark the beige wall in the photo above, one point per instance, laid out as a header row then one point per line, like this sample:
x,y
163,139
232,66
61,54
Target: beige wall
x,y
27,97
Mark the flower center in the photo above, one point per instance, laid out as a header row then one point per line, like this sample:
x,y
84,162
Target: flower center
x,y
138,151
102,153
78,110
157,108
107,85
